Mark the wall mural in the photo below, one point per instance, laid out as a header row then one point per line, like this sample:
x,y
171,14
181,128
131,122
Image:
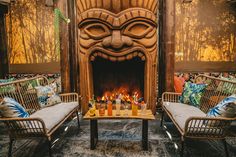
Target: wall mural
x,y
206,31
30,28
208,35
118,30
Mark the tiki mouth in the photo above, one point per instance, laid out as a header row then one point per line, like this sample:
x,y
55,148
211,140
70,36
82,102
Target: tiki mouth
x,y
117,56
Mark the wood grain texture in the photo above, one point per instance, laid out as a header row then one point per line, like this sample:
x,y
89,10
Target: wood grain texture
x,y
147,116
106,4
167,46
118,30
73,48
64,43
116,6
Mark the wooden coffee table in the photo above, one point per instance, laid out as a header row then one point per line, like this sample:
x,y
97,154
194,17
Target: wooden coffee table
x,y
94,125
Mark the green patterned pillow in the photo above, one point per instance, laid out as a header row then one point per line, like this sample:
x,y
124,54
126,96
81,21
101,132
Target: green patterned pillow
x,y
7,88
226,87
192,93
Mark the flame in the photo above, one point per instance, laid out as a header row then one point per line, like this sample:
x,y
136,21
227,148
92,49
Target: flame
x,y
124,93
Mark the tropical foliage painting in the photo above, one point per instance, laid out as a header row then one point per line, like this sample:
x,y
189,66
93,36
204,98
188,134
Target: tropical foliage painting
x,y
206,31
31,33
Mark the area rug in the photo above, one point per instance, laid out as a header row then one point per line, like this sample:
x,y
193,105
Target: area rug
x,y
117,138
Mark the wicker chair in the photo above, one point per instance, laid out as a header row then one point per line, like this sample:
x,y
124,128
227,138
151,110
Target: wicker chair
x,y
193,122
33,127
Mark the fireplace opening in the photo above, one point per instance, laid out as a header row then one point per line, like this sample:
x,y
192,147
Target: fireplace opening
x,y
120,77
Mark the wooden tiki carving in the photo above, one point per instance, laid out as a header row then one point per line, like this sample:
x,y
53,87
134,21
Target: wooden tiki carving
x,y
117,30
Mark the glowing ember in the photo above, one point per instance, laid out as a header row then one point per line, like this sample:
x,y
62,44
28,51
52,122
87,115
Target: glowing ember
x,y
122,93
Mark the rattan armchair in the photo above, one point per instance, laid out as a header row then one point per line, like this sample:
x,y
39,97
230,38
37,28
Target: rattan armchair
x,y
24,93
202,127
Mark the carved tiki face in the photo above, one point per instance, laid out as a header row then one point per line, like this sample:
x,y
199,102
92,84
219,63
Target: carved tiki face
x,y
118,30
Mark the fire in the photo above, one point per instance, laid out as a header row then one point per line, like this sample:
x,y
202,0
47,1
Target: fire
x,y
124,93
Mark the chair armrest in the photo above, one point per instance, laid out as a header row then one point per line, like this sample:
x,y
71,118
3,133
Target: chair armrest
x,y
69,97
18,127
207,126
170,97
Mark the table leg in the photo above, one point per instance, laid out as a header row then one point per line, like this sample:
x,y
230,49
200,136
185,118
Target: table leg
x,y
93,134
145,135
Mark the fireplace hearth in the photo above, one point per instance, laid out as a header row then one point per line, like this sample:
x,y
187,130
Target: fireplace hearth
x,y
124,77
118,49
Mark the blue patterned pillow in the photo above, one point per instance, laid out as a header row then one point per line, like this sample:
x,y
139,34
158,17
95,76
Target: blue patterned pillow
x,y
47,96
226,108
192,93
10,108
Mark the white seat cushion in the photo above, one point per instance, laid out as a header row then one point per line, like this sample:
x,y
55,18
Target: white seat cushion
x,y
181,112
54,114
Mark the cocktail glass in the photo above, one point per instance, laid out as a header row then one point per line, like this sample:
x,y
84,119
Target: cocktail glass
x,y
118,102
101,109
126,109
143,108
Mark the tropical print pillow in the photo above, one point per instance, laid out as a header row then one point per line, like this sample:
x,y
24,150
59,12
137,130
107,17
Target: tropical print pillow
x,y
10,108
6,80
7,88
226,108
192,93
31,84
226,87
47,96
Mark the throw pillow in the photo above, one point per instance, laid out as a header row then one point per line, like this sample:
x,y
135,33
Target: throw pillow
x,y
47,96
226,87
178,84
192,93
10,108
6,80
32,84
7,88
226,108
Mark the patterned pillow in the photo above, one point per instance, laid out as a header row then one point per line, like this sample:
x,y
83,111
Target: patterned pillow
x,y
10,108
192,93
7,88
31,84
226,87
6,80
47,96
226,108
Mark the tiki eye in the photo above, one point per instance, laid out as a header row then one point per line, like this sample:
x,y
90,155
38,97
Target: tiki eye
x,y
97,30
138,29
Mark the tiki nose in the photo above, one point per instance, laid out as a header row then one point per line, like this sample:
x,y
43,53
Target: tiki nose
x,y
116,40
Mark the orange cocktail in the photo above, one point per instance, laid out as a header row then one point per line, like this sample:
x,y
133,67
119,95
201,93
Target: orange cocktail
x,y
102,109
109,108
134,109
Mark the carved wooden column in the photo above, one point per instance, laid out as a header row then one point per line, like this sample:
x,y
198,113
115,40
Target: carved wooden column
x,y
167,47
4,67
